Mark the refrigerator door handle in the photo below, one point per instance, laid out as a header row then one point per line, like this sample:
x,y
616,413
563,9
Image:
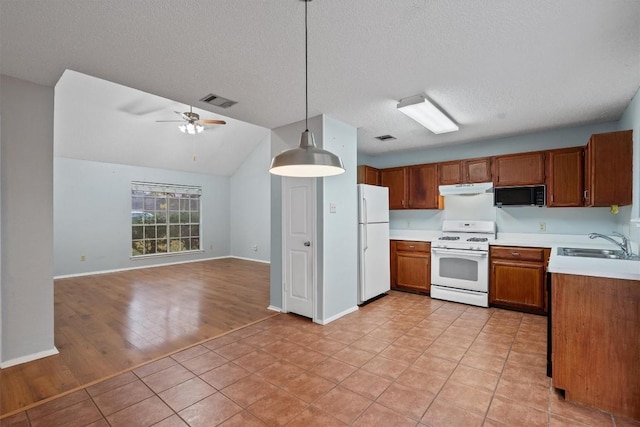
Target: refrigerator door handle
x,y
366,244
364,210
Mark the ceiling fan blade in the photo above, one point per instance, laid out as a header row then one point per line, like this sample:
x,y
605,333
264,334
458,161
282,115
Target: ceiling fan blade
x,y
183,115
169,121
213,122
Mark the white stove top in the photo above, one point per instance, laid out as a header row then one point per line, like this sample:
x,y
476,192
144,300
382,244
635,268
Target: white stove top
x,y
466,235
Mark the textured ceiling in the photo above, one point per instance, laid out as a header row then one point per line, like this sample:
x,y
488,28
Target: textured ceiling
x,y
498,67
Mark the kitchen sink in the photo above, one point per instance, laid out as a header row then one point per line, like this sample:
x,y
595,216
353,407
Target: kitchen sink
x,y
593,253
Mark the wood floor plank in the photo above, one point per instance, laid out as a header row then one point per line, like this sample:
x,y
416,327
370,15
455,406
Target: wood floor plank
x,y
108,323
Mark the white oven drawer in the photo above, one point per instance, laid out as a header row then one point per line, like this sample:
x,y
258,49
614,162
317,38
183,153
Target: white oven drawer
x,y
481,299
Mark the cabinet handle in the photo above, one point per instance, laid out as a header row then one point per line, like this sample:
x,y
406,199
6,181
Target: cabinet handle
x,y
515,253
411,246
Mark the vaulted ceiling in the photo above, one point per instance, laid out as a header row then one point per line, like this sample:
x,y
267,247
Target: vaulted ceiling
x,y
498,67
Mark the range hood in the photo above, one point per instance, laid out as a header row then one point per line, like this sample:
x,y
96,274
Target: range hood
x,y
462,189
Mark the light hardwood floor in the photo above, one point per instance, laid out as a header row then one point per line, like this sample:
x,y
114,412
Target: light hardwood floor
x,y
107,323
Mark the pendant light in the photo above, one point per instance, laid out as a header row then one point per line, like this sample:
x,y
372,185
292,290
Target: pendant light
x,y
307,160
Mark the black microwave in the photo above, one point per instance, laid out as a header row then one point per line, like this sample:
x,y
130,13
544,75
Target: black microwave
x,y
529,195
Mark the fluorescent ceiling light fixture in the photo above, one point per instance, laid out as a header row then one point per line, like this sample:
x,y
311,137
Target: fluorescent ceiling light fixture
x,y
191,128
424,112
307,160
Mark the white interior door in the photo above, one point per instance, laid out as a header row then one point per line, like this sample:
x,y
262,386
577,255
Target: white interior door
x,y
299,253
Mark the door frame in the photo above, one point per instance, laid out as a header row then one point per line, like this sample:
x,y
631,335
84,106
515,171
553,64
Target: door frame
x,y
314,252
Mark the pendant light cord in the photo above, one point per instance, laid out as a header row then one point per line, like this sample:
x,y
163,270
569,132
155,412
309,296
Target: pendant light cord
x,y
306,72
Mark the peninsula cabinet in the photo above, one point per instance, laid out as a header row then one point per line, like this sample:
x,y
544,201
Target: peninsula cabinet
x,y
423,186
565,177
608,169
368,175
411,266
518,169
518,278
397,181
465,171
595,347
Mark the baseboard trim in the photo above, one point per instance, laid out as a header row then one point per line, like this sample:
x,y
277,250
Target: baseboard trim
x,y
116,270
337,316
250,259
274,308
29,358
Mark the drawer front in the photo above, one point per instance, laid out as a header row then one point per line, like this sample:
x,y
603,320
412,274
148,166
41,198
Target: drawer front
x,y
526,254
413,246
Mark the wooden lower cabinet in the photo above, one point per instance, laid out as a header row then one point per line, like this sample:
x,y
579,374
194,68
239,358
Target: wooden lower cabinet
x,y
596,350
411,266
518,278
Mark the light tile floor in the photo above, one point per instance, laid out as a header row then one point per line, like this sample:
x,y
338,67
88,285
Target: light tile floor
x,y
402,360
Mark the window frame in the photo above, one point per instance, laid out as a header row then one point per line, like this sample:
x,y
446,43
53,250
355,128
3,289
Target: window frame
x,y
157,213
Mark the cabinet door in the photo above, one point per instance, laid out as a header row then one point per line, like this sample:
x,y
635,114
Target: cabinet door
x,y
517,284
450,173
414,271
368,175
477,170
396,180
608,168
564,177
519,169
423,187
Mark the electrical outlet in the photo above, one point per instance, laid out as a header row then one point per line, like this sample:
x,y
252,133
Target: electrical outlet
x,y
254,248
332,207
83,258
543,226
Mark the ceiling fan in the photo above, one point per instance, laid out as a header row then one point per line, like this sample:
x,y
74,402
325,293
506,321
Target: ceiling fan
x,y
192,123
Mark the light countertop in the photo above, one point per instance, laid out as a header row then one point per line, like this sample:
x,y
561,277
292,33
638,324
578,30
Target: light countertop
x,y
612,268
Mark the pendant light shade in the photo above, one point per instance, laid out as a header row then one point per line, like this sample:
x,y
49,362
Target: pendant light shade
x,y
306,161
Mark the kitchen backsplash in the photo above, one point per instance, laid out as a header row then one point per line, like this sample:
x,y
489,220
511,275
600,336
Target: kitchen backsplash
x,y
515,219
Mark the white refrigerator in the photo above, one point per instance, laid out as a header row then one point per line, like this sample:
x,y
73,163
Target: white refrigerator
x,y
374,275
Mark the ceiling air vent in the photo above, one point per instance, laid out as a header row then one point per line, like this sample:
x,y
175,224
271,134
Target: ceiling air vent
x,y
218,101
386,137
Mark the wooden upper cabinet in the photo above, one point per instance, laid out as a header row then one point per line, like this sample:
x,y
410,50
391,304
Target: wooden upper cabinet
x,y
450,172
465,171
368,175
608,169
565,177
477,170
396,179
518,169
423,186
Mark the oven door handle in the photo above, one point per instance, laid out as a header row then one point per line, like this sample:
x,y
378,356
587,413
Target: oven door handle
x,y
477,254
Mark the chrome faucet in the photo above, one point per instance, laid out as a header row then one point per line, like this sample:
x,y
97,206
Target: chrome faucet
x,y
625,245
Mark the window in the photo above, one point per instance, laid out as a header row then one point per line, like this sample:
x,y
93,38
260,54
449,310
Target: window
x,y
165,218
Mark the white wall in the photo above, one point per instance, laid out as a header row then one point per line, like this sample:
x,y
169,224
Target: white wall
x,y
631,120
250,198
27,220
340,233
92,215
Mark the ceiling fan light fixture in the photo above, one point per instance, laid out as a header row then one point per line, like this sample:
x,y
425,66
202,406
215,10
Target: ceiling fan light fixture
x,y
428,115
306,161
191,128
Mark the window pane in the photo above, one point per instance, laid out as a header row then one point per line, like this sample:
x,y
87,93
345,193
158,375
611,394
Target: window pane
x,y
184,231
161,203
137,247
174,217
195,217
174,204
150,247
184,204
136,232
149,203
149,218
161,232
184,217
174,245
136,203
195,244
195,231
195,204
161,218
186,244
174,231
161,246
150,232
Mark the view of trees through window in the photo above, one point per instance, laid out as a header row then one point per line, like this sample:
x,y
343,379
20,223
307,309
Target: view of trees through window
x,y
164,218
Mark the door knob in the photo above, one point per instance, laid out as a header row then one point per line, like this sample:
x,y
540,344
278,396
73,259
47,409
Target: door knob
x,y
307,243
